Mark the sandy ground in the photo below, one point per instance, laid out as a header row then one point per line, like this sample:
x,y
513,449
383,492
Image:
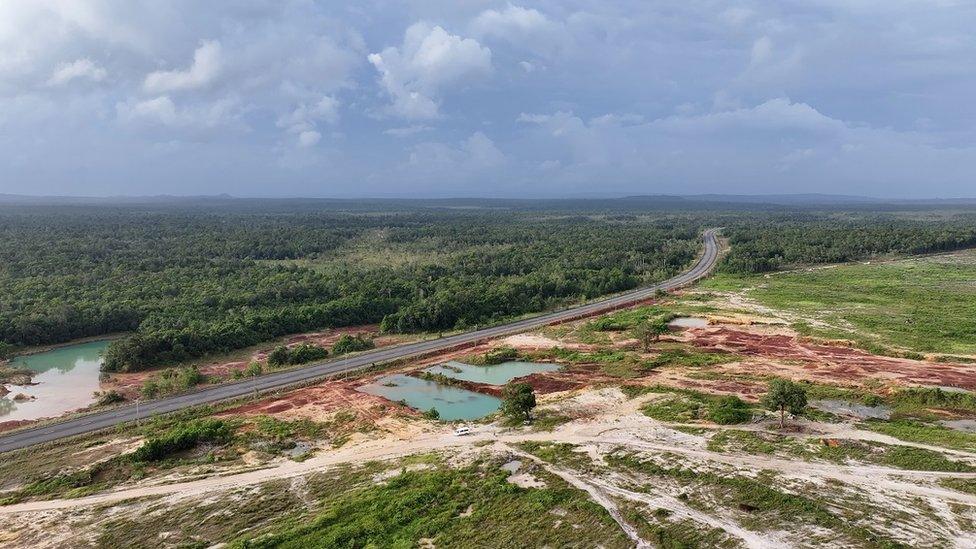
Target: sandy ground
x,y
614,423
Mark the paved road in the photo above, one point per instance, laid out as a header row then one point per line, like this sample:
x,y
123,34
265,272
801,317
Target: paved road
x,y
278,380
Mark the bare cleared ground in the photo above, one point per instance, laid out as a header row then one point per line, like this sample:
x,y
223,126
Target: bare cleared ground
x,y
643,472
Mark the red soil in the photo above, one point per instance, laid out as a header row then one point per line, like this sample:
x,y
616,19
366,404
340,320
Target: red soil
x,y
791,355
320,401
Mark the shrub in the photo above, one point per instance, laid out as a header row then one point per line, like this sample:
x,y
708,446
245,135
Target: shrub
x,y
351,344
432,414
253,369
182,438
279,356
730,410
306,353
109,397
301,354
172,380
500,355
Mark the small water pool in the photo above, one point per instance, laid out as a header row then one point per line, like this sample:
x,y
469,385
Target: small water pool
x,y
498,374
844,407
452,403
688,322
64,380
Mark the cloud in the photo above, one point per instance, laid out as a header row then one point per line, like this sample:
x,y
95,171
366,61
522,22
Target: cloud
x,y
205,68
80,69
511,22
163,112
429,60
522,27
308,138
475,153
304,120
774,115
407,130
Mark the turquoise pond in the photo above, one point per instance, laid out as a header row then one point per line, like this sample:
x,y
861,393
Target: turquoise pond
x,y
64,380
498,374
452,403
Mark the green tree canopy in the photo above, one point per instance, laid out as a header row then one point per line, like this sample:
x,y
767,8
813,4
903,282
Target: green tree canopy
x,y
518,400
784,395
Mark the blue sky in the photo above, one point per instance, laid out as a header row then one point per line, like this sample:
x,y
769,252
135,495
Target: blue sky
x,y
484,98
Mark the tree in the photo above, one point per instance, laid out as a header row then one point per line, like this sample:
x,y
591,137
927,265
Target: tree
x,y
518,400
650,331
785,395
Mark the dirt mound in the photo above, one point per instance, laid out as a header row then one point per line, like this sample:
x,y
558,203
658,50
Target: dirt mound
x,y
320,403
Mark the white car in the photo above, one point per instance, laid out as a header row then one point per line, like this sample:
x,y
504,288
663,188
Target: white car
x,y
462,431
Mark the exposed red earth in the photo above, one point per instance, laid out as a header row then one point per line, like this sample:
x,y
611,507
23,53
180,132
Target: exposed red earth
x,y
794,356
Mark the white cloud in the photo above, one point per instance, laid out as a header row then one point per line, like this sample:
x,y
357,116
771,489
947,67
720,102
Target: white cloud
x,y
778,114
304,120
162,111
512,22
429,60
521,27
612,119
477,152
308,138
762,51
206,66
407,130
81,68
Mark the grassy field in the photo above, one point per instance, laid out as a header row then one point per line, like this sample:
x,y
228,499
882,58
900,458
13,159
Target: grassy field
x,y
470,507
922,304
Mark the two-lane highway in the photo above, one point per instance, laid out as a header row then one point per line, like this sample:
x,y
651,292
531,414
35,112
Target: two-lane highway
x,y
279,380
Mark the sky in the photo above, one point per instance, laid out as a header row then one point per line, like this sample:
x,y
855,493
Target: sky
x,y
440,98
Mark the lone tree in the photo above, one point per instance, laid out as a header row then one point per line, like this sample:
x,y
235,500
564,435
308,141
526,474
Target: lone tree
x,y
518,400
785,395
650,331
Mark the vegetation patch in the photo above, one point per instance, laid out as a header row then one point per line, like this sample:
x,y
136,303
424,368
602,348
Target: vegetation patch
x,y
184,437
759,503
667,533
471,507
924,433
920,305
685,405
171,381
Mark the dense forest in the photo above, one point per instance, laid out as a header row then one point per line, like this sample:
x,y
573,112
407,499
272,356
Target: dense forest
x,y
781,241
189,283
182,281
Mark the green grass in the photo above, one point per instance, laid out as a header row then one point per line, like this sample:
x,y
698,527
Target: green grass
x,y
558,453
923,305
471,507
686,405
924,433
966,485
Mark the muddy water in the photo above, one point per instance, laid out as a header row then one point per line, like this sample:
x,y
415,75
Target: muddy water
x,y
498,374
64,380
452,403
965,425
844,407
688,322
